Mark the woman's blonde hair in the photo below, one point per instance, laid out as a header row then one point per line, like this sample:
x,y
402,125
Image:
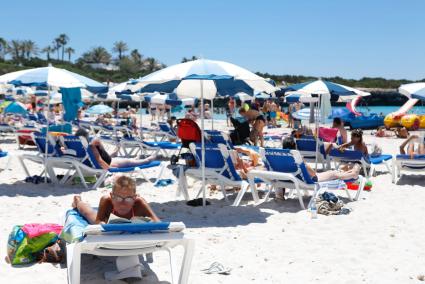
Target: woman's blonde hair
x,y
124,182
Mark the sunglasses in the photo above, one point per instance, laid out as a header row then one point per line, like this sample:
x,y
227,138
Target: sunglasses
x,y
128,199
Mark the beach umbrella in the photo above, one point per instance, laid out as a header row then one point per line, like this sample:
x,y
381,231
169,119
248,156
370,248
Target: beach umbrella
x,y
304,114
243,97
168,99
413,90
99,109
204,79
16,108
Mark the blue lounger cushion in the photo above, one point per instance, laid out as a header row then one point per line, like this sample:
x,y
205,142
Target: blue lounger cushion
x,y
407,157
131,169
3,154
163,145
137,228
379,159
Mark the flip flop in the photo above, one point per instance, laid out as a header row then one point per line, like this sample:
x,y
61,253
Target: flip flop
x,y
217,268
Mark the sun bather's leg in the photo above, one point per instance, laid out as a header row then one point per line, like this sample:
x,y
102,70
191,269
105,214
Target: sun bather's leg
x,y
85,209
421,149
128,162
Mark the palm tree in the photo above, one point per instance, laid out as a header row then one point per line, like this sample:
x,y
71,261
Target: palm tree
x,y
14,48
189,59
69,51
3,47
120,47
136,56
96,55
29,48
56,44
63,40
152,64
48,49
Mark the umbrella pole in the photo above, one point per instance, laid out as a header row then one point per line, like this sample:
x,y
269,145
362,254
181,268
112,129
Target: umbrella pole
x,y
212,114
47,134
202,146
140,110
317,130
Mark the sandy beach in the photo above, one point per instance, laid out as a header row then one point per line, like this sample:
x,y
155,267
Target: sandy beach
x,y
380,241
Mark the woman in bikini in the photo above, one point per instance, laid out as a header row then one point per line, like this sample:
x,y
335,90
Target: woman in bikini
x,y
123,202
258,122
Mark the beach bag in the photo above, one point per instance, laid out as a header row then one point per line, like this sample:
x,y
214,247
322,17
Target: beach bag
x,y
21,249
73,230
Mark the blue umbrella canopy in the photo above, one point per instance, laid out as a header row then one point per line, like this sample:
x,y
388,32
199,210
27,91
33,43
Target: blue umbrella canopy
x,y
99,109
16,108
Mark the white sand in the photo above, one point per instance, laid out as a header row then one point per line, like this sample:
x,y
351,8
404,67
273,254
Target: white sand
x,y
381,241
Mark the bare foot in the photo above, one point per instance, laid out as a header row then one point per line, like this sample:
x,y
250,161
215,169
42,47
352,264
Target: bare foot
x,y
76,200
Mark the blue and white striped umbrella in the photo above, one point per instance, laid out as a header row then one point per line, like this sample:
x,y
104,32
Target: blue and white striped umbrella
x,y
16,108
99,109
304,114
320,87
168,99
52,77
413,90
215,78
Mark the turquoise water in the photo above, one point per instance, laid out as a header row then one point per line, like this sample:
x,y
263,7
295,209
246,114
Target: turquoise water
x,y
220,114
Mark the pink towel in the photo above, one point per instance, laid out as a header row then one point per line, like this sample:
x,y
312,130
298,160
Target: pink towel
x,y
328,134
35,230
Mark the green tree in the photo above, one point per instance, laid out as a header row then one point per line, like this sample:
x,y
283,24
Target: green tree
x,y
47,50
63,41
56,45
120,47
69,51
136,57
28,48
184,59
14,48
3,48
96,55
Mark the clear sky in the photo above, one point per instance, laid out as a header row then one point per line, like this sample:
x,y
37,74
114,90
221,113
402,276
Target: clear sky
x,y
352,39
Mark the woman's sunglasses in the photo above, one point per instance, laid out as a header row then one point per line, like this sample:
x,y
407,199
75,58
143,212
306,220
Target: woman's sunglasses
x,y
128,199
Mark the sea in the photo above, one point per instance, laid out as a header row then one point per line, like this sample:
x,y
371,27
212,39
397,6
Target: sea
x,y
220,113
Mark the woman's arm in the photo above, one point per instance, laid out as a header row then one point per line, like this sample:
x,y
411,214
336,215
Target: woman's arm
x,y
143,209
104,210
97,156
403,145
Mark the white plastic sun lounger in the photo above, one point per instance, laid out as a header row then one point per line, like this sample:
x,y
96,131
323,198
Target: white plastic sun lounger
x,y
133,244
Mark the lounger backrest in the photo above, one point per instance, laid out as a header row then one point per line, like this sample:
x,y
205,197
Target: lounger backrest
x,y
217,137
214,159
349,155
76,144
164,127
309,145
286,161
417,163
40,142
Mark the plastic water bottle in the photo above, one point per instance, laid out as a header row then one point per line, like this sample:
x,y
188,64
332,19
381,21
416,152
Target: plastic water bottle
x,y
313,210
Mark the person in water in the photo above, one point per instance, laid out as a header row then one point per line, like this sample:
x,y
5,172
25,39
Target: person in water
x,y
123,202
106,160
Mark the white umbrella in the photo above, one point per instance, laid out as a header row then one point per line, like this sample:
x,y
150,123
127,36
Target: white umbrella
x,y
413,90
51,77
204,79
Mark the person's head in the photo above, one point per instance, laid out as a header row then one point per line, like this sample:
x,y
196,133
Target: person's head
x,y
337,122
289,143
357,136
81,132
123,194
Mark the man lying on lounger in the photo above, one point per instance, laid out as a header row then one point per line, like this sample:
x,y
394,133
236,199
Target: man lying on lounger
x,y
106,160
123,202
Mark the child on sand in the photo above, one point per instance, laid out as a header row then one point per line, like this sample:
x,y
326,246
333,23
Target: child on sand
x,y
123,202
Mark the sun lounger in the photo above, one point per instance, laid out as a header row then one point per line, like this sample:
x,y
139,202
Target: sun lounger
x,y
406,164
219,170
132,243
367,162
80,161
307,149
286,169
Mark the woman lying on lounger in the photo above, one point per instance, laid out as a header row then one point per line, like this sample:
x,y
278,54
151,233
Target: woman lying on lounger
x,y
106,160
411,149
123,202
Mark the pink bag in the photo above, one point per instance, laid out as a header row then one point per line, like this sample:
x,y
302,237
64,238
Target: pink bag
x,y
34,230
328,134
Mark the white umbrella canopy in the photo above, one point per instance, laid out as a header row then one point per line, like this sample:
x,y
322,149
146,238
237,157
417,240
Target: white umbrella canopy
x,y
50,76
413,90
175,77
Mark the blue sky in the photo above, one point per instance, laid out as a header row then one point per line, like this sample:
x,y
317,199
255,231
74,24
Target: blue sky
x,y
351,39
